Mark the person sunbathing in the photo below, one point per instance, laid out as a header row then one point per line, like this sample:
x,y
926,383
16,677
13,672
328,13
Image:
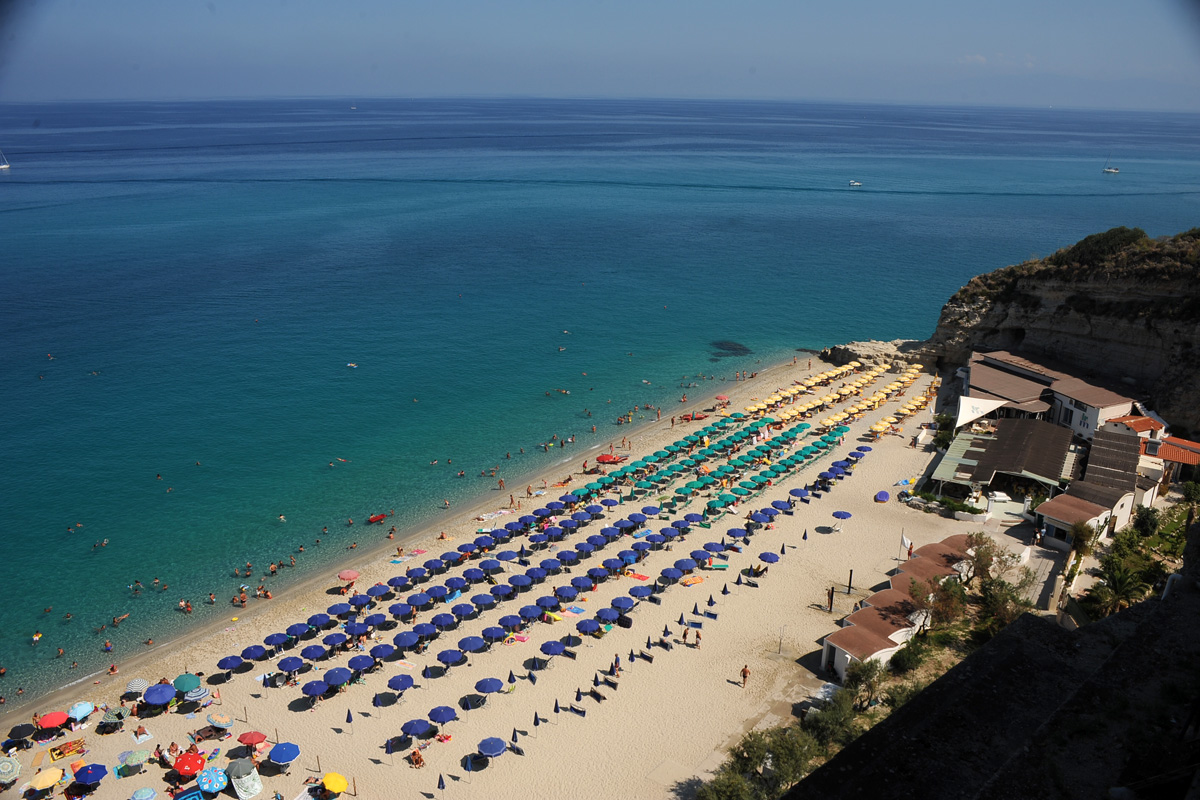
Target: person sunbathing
x,y
417,759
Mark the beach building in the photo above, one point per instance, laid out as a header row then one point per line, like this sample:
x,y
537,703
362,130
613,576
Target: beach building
x,y
889,618
1004,384
1008,455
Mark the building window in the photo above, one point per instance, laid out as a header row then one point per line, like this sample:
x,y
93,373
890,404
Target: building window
x,y
1067,416
1078,404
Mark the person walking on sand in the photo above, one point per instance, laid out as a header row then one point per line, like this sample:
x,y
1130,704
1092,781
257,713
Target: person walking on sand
x,y
697,640
745,675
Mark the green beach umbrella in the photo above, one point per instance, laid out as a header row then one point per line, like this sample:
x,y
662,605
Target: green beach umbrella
x,y
672,448
639,464
683,492
740,492
595,487
661,454
651,459
706,480
748,484
186,682
725,469
643,485
694,485
728,498
606,480
716,504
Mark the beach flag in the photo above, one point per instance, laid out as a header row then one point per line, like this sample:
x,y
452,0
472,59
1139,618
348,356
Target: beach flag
x,y
905,542
425,673
648,642
632,656
441,782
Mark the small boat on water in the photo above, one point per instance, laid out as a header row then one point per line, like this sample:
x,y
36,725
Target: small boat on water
x,y
4,161
376,518
1108,169
855,183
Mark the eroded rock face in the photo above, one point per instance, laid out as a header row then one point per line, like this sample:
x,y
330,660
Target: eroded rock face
x,y
874,352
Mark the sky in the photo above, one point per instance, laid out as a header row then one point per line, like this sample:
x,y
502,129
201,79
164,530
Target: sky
x,y
1034,53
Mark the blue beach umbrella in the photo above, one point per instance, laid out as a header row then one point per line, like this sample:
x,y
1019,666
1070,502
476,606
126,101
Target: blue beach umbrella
x,y
770,558
489,685
552,648
313,652
597,574
212,780
335,639
842,514
415,727
318,620
483,600
444,621
374,620
622,603
400,683
492,747
547,602
442,714
451,657
608,615
405,639
229,663
462,610
290,664
314,688
565,593
501,591
513,621
337,676
438,593
398,582
159,694
587,626
382,651
641,591
297,630
91,774
471,644
254,652
284,753
357,628
495,634
419,600
337,609
361,662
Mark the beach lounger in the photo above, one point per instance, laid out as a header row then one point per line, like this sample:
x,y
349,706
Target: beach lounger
x,y
576,709
645,655
718,566
609,682
655,599
664,644
752,584
710,614
599,698
553,616
571,654
516,749
695,623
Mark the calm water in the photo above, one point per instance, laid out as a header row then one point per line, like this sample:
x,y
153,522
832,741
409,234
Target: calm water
x,y
219,264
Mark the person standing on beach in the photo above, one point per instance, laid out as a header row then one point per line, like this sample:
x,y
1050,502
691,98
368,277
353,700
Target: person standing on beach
x,y
745,674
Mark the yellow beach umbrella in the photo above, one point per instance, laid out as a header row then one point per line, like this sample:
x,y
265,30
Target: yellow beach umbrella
x,y
335,782
889,420
854,364
46,778
879,428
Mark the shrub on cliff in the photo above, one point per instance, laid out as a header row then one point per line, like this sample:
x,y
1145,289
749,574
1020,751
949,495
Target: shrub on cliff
x,y
1098,247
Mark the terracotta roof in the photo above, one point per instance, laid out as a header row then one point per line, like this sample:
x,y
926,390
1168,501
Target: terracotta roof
x,y
957,543
922,569
1070,510
1139,424
940,553
1177,451
1103,496
883,621
859,641
891,597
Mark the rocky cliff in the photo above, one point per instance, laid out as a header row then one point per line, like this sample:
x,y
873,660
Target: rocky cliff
x,y
1117,305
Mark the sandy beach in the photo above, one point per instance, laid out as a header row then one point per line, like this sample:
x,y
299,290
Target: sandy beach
x,y
660,725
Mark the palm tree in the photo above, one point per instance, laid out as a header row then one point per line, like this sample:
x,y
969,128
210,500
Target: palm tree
x,y
1121,588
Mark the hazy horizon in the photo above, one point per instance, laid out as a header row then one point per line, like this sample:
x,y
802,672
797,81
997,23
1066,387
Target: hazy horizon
x,y
1103,55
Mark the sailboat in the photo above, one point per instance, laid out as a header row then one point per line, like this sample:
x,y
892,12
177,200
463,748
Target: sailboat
x,y
3,161
1108,169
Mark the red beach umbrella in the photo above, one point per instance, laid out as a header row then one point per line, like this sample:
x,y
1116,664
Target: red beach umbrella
x,y
53,720
348,575
189,763
252,738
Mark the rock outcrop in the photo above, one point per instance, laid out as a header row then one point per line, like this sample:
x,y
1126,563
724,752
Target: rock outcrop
x,y
1117,305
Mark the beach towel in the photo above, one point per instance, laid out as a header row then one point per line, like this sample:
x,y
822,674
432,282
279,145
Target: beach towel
x,y
419,552
402,663
143,738
638,576
37,759
553,616
216,752
640,534
691,581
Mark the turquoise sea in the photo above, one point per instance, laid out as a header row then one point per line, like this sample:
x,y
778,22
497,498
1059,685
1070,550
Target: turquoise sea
x,y
202,274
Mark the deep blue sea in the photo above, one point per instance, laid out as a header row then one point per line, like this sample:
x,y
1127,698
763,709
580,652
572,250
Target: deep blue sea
x,y
202,274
